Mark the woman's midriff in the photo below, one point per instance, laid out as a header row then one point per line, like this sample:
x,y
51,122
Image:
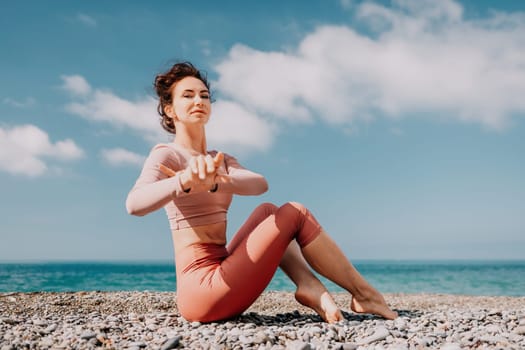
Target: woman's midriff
x,y
205,234
199,252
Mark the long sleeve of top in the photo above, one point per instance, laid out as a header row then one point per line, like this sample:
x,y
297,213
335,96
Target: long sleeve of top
x,y
243,181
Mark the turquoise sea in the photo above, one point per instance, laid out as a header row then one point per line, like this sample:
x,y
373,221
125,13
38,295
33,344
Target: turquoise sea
x,y
494,278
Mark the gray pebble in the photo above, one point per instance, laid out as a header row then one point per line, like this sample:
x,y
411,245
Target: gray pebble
x,y
379,334
40,323
88,335
451,346
299,345
50,329
400,324
519,330
9,321
46,342
138,344
171,343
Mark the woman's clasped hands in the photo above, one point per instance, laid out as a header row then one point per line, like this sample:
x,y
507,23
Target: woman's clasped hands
x,y
203,173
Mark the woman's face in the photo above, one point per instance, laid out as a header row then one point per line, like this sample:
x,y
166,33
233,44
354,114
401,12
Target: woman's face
x,y
191,101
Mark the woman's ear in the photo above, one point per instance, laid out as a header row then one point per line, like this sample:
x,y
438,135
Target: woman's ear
x,y
168,109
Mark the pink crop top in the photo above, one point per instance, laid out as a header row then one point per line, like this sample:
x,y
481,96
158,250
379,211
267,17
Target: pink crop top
x,y
154,190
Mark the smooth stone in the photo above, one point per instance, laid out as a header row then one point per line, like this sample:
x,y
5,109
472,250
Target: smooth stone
x,y
330,335
152,327
260,337
171,343
50,328
424,341
138,344
208,332
9,321
314,330
398,347
40,323
235,332
88,335
513,337
350,346
400,324
519,330
451,346
46,342
380,334
245,340
298,345
493,339
492,329
306,337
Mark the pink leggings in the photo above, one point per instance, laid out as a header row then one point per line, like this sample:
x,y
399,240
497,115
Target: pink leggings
x,y
215,282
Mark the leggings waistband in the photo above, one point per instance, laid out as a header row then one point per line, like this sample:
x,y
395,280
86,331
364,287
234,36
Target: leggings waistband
x,y
200,255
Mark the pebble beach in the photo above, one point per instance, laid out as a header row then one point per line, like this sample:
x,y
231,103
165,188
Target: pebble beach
x,y
150,320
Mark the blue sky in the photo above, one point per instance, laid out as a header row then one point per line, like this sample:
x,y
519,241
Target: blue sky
x,y
399,124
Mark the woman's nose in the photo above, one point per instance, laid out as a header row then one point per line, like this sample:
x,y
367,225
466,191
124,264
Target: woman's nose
x,y
197,100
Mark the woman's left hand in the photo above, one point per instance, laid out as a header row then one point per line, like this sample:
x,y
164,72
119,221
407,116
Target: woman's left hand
x,y
201,174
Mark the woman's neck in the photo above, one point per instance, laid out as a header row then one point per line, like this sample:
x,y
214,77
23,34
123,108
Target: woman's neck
x,y
195,141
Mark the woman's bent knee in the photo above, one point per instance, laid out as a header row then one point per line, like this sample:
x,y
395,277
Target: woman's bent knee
x,y
295,218
294,211
266,208
298,206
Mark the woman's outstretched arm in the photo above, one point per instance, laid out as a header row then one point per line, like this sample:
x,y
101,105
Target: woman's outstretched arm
x,y
153,189
241,180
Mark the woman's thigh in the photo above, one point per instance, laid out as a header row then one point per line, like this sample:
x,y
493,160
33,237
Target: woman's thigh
x,y
258,215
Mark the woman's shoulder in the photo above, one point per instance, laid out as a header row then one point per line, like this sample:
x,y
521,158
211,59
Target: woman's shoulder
x,y
166,147
166,151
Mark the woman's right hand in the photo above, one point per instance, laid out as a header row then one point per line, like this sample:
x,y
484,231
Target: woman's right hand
x,y
203,173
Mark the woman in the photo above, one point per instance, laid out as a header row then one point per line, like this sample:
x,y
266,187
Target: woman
x,y
216,281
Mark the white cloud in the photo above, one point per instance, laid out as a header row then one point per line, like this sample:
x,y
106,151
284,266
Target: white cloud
x,y
423,59
25,149
86,20
231,124
346,4
272,82
233,127
120,157
76,85
105,106
27,102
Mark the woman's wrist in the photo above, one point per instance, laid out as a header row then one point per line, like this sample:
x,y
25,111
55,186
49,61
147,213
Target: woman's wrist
x,y
184,183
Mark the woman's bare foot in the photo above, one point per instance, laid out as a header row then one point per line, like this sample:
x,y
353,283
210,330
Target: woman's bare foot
x,y
318,299
372,303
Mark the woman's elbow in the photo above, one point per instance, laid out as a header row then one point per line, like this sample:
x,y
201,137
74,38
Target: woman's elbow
x,y
263,187
134,212
132,208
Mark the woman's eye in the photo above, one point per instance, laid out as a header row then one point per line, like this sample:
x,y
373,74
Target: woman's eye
x,y
205,96
187,96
